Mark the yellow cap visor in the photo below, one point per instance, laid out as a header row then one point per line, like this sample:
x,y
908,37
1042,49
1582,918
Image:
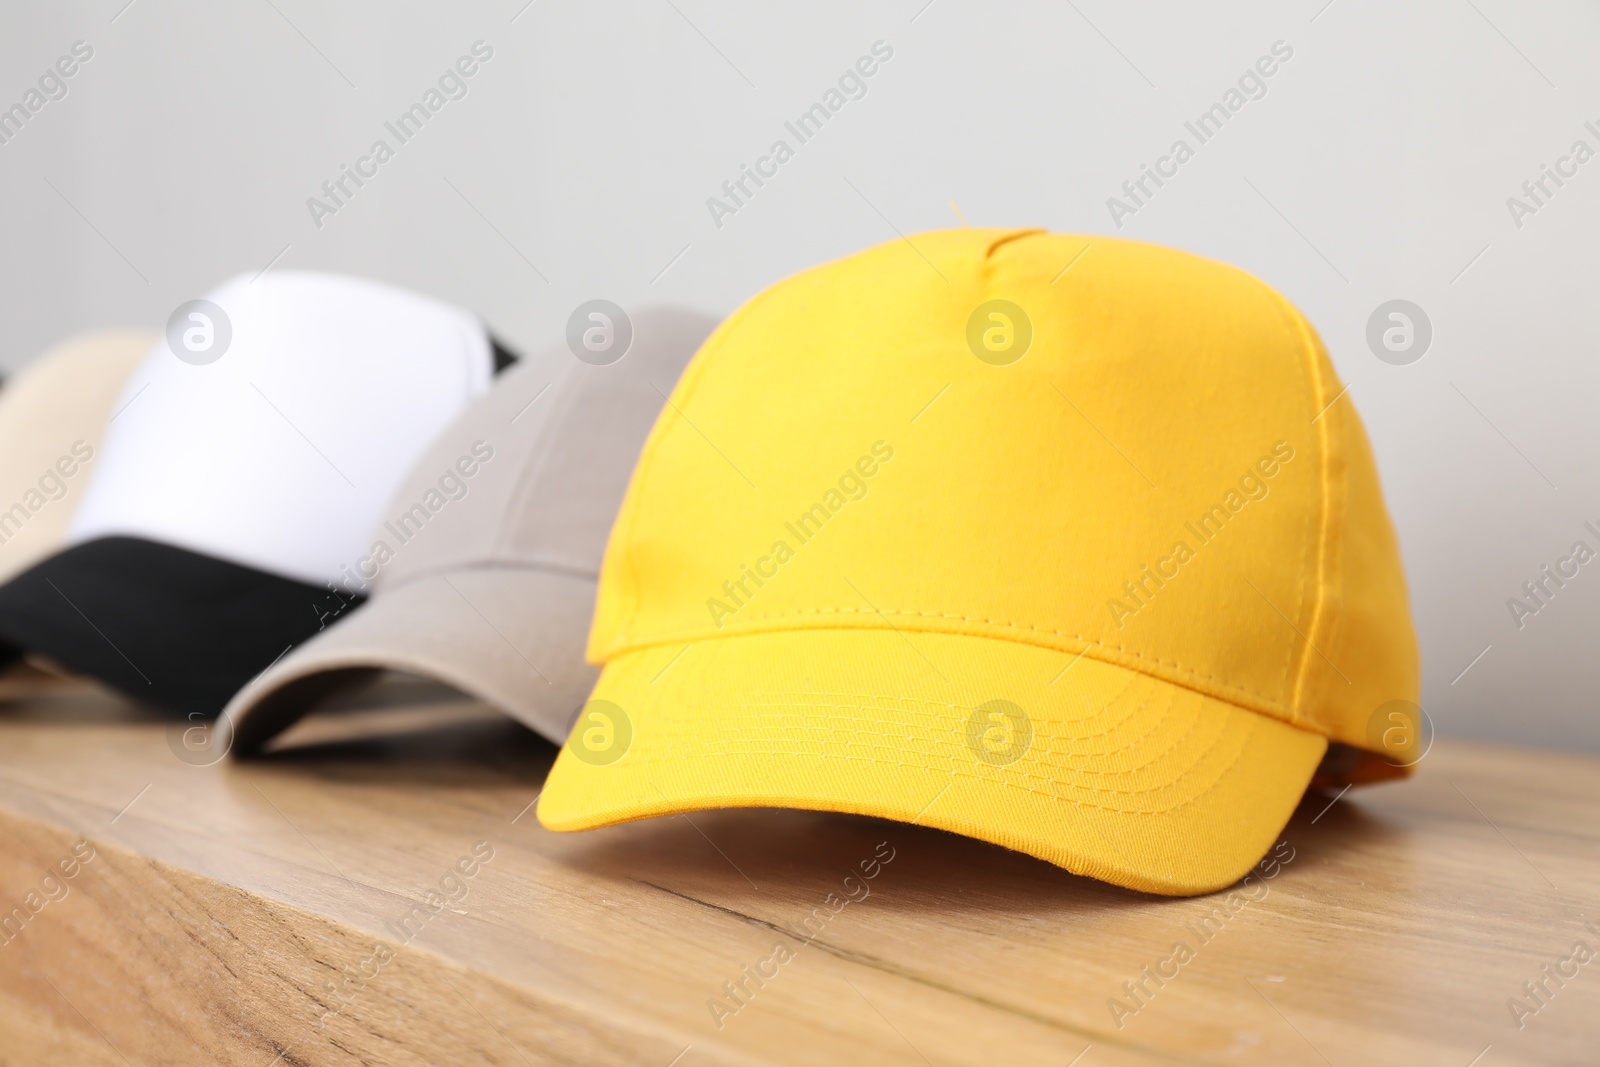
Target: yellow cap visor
x,y
1096,768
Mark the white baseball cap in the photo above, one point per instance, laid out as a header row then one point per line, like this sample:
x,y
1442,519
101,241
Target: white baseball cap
x,y
253,449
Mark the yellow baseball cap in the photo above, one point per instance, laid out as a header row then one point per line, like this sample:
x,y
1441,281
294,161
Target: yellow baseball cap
x,y
1071,544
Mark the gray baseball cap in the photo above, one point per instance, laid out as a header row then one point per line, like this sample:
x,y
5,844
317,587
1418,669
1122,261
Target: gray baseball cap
x,y
482,572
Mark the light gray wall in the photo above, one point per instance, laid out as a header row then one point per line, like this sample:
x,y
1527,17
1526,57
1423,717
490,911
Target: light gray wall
x,y
1377,166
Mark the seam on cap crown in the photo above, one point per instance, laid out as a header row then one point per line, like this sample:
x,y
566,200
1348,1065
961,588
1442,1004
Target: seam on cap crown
x,y
1331,465
621,541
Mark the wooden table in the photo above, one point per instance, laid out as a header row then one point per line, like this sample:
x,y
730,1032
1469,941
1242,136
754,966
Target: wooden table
x,y
279,911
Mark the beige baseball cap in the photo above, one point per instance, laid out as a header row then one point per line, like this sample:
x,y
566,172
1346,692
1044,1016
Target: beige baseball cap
x,y
482,573
53,415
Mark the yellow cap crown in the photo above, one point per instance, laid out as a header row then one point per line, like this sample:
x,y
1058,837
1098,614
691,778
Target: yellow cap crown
x,y
1144,458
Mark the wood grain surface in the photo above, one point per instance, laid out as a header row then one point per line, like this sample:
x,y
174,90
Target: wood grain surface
x,y
378,891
